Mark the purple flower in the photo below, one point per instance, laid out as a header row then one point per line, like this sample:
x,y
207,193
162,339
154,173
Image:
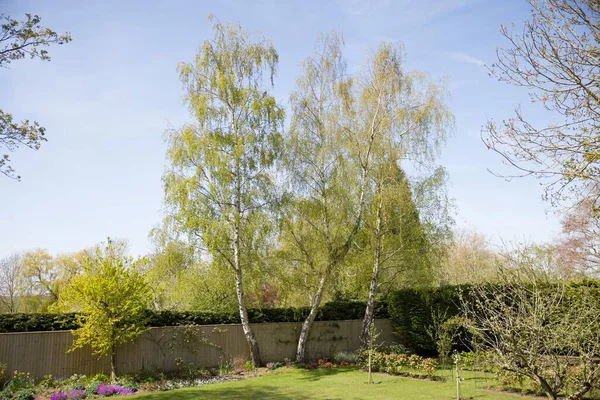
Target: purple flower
x,y
105,390
124,391
75,394
58,396
109,390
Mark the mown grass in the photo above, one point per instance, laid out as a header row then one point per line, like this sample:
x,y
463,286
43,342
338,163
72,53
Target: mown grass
x,y
341,383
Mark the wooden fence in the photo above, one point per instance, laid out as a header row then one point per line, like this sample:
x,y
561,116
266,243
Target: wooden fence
x,y
43,353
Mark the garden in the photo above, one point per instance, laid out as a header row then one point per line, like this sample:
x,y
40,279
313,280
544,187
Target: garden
x,y
307,249
396,374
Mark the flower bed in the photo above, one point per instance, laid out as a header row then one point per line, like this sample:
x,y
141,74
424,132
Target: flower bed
x,y
410,365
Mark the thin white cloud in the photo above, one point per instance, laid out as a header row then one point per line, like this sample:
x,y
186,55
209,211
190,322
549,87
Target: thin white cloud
x,y
410,12
465,58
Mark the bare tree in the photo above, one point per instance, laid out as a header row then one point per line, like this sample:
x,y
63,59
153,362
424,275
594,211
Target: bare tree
x,y
556,57
539,329
578,248
470,259
11,282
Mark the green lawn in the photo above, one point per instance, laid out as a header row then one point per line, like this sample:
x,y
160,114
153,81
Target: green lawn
x,y
335,383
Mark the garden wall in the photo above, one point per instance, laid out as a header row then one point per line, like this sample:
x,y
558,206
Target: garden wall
x,y
43,353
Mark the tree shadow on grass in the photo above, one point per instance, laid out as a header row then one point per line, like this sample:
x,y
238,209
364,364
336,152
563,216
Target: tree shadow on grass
x,y
229,393
318,374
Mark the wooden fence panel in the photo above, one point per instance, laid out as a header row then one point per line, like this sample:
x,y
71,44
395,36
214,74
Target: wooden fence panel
x,y
43,353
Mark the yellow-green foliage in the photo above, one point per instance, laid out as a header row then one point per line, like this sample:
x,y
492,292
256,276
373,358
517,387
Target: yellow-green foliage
x,y
111,297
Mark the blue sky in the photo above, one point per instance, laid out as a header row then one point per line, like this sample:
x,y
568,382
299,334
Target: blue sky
x,y
107,97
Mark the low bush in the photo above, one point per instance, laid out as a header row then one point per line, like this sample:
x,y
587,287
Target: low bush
x,y
20,381
274,365
23,394
475,361
398,364
347,356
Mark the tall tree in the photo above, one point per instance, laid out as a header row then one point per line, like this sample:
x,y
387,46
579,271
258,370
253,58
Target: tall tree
x,y
555,57
407,119
327,158
18,40
219,183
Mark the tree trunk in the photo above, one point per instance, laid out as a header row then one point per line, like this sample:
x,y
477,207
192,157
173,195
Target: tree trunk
x,y
368,318
307,324
237,265
239,290
248,332
546,388
113,364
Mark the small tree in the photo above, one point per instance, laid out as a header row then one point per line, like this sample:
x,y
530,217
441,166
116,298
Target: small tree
x,y
541,330
372,347
111,298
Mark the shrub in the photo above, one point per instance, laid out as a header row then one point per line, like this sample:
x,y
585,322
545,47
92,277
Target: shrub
x,y
23,394
149,376
100,378
20,380
274,365
2,373
345,356
58,396
92,386
403,364
475,361
48,382
395,349
129,385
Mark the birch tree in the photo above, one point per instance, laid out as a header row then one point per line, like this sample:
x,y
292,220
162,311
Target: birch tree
x,y
326,172
218,183
406,119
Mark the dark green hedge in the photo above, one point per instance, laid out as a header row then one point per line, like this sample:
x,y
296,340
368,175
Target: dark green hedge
x,y
334,311
37,322
412,311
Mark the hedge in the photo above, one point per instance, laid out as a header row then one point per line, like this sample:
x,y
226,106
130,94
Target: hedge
x,y
333,311
412,311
